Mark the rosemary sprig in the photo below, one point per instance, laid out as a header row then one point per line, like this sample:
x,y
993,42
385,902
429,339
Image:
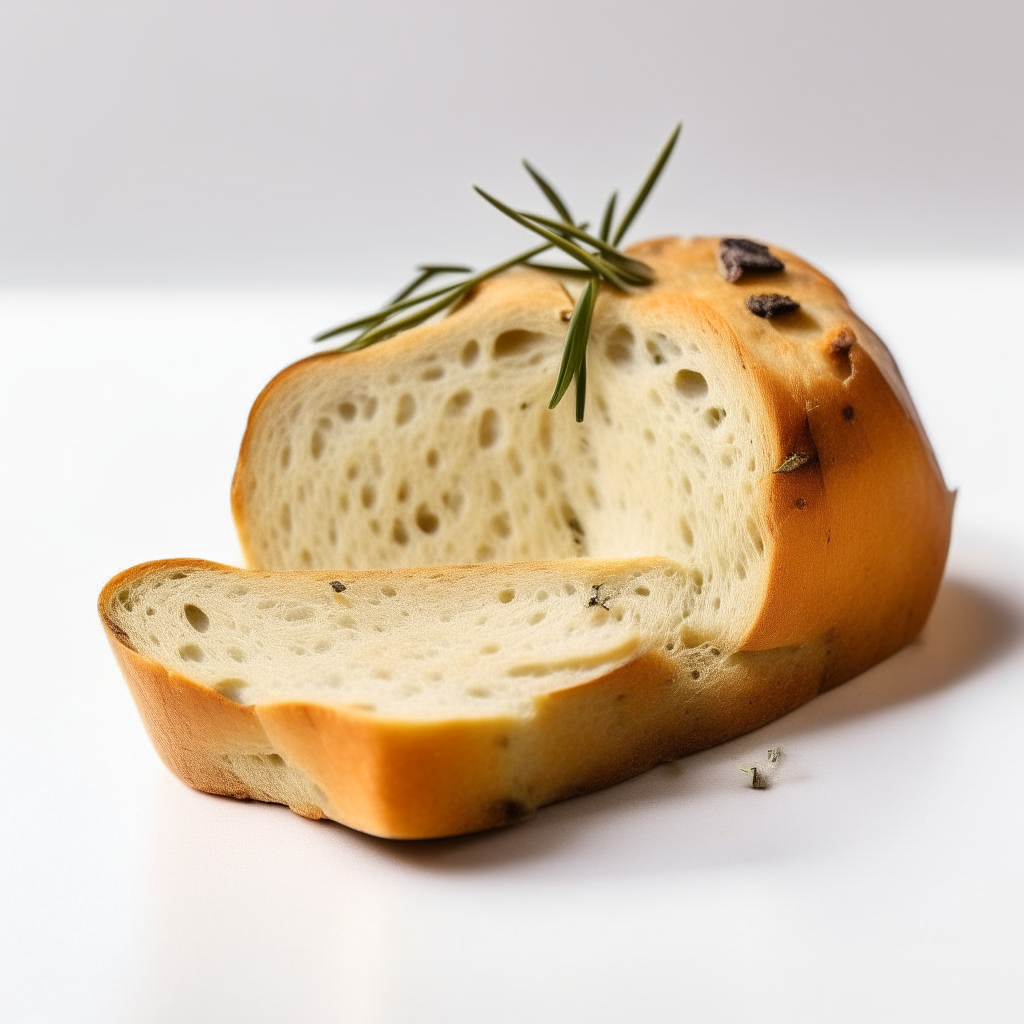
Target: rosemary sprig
x,y
598,259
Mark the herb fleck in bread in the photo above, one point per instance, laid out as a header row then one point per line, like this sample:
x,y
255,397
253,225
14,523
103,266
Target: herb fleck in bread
x,y
751,459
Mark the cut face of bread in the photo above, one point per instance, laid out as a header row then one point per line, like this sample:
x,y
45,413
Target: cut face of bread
x,y
452,456
431,645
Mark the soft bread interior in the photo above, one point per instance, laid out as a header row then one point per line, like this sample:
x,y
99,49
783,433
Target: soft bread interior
x,y
430,644
448,453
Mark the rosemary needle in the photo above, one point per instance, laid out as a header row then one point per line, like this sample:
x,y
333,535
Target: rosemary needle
x,y
553,197
427,271
609,216
649,182
575,349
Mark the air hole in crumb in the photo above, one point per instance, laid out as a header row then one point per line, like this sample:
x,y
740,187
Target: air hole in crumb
x,y
151,611
469,353
432,458
490,648
490,428
541,595
695,674
504,596
406,410
691,384
399,533
426,520
500,524
347,411
620,346
197,618
515,343
456,405
286,456
402,494
655,353
755,535
649,436
276,760
478,691
642,591
368,495
433,373
537,617
569,589
484,553
316,444
686,531
714,416
191,652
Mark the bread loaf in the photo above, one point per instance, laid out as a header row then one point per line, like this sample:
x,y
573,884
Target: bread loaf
x,y
749,514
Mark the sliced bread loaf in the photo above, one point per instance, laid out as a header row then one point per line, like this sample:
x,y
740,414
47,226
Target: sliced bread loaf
x,y
749,515
427,702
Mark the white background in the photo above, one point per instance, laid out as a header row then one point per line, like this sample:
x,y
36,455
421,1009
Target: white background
x,y
187,192
231,141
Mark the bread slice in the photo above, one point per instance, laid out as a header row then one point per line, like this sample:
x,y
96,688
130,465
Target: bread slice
x,y
750,514
427,702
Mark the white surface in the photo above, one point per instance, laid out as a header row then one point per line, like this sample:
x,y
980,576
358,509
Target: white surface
x,y
878,880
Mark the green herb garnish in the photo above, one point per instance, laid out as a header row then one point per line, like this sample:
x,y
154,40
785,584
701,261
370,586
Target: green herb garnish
x,y
598,259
